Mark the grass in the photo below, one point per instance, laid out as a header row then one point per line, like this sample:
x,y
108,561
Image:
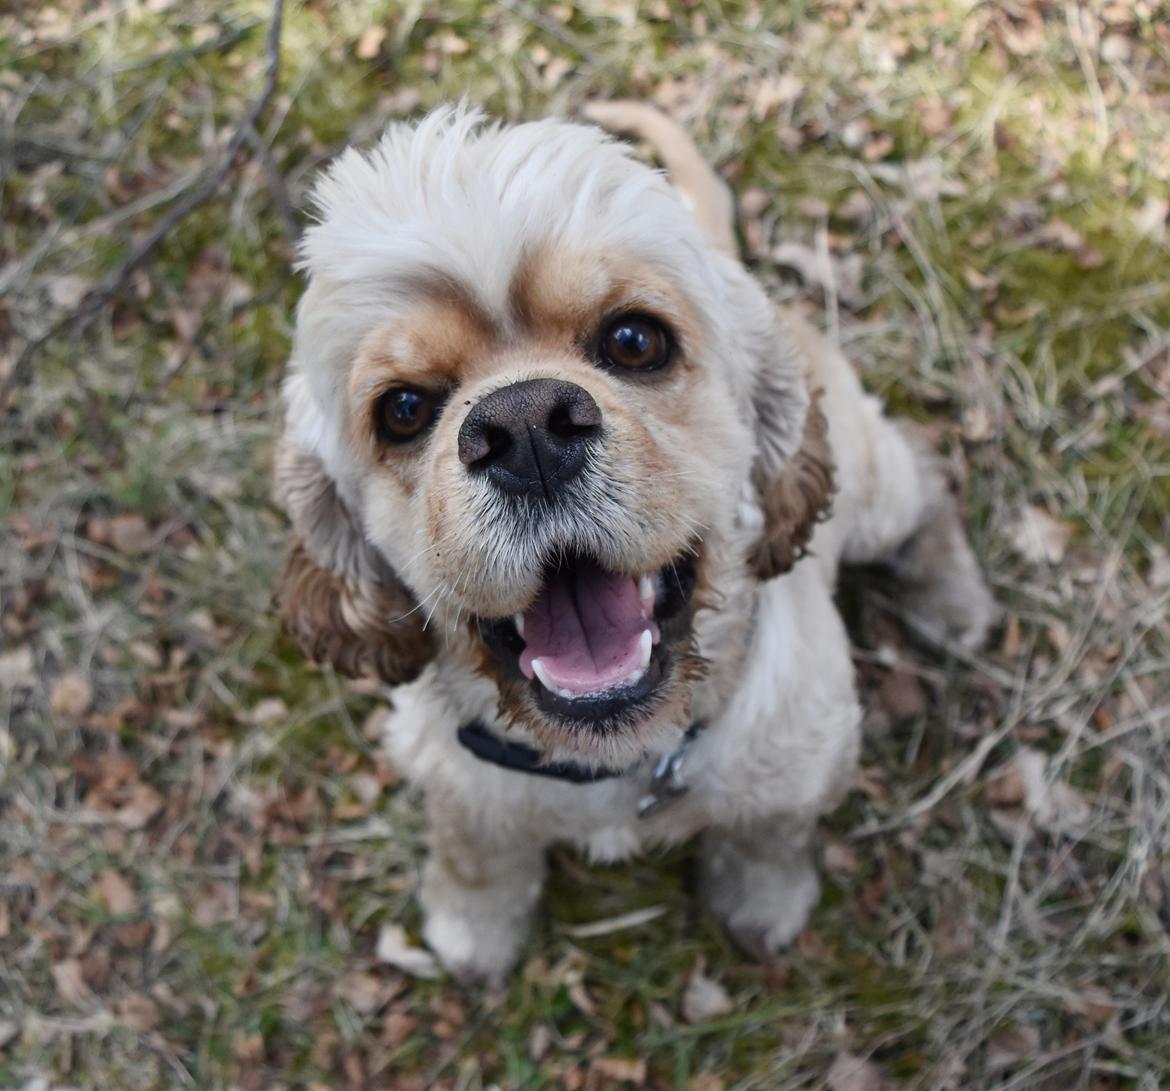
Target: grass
x,y
198,838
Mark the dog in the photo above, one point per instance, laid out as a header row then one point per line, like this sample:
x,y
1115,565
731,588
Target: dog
x,y
560,474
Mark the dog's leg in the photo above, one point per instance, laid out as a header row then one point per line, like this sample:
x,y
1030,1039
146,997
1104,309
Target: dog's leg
x,y
760,881
478,891
909,521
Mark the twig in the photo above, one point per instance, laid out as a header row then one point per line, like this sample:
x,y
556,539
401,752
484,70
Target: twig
x,y
84,314
276,185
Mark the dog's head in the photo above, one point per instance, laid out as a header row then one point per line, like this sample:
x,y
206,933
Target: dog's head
x,y
532,414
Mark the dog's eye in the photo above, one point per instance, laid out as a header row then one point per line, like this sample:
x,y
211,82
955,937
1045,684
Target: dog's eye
x,y
636,343
403,413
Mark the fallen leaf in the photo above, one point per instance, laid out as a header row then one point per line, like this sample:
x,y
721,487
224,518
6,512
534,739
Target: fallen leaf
x,y
269,711
365,993
849,1073
71,696
620,1068
17,669
1010,1047
1055,806
370,43
116,893
706,1081
901,695
840,857
140,806
704,998
842,275
137,1011
396,950
934,116
67,291
397,1027
128,533
1039,538
69,981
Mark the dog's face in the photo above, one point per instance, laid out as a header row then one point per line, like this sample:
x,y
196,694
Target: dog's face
x,y
525,382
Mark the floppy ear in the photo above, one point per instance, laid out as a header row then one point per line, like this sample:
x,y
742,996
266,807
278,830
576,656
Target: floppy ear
x,y
337,596
793,471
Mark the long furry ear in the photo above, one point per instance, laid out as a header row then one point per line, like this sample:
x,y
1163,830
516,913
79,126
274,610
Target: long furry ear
x,y
794,497
337,596
793,471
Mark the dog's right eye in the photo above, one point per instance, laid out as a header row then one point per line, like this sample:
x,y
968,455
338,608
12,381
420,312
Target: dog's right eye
x,y
404,412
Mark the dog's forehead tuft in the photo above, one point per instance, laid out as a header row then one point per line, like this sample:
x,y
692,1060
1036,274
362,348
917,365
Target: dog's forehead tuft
x,y
457,197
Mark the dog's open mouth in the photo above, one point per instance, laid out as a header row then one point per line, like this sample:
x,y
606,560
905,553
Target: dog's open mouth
x,y
596,645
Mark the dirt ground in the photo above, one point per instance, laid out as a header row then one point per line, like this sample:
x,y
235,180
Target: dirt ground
x,y
200,846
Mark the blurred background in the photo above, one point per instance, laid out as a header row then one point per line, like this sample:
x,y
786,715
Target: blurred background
x,y
206,868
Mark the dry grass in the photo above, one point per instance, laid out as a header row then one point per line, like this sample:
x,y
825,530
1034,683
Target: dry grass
x,y
198,841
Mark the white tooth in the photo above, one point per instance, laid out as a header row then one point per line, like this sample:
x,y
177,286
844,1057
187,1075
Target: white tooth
x,y
518,621
645,643
568,694
538,670
646,592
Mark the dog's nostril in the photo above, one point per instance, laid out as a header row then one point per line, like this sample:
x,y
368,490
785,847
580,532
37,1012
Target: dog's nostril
x,y
499,443
569,422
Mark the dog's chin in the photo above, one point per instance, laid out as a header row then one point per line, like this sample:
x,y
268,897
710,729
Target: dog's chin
x,y
599,661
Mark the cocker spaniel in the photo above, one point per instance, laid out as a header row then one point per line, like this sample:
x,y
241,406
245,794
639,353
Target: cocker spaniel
x,y
561,474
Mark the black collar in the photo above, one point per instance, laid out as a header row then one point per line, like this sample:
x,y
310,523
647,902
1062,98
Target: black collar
x,y
526,759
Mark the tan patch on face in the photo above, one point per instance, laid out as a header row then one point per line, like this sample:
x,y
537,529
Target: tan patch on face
x,y
433,346
566,297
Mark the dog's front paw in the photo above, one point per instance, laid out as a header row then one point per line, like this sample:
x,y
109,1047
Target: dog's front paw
x,y
475,951
762,903
476,929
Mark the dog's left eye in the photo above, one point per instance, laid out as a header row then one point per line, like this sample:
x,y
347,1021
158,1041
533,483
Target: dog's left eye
x,y
403,413
636,343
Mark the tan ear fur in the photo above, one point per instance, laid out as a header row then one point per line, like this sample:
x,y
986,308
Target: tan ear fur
x,y
337,596
795,499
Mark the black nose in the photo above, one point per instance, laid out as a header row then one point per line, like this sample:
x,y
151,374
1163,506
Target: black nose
x,y
530,437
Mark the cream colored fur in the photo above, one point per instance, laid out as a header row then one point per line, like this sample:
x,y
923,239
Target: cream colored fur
x,y
778,698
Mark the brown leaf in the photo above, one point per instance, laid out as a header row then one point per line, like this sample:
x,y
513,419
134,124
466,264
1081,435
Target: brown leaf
x,y
69,981
1039,538
67,291
268,711
902,695
128,533
1010,1047
71,696
1055,805
370,43
116,893
397,1027
706,1081
365,993
934,116
142,803
849,1073
17,669
704,998
621,1068
137,1011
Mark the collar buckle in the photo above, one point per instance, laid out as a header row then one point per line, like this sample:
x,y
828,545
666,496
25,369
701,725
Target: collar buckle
x,y
667,785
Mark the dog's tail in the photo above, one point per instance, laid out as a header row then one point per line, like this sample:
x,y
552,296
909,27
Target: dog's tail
x,y
707,194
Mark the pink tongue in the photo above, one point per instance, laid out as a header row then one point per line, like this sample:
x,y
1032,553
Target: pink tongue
x,y
586,630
